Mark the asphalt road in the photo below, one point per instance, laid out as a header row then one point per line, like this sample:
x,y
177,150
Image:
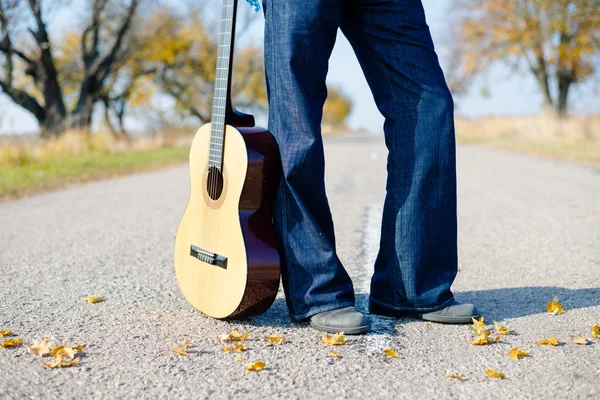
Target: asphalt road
x,y
529,231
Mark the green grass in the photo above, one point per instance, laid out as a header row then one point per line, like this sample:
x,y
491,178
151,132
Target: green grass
x,y
18,181
581,151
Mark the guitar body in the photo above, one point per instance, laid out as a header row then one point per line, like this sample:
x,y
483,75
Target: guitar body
x,y
234,225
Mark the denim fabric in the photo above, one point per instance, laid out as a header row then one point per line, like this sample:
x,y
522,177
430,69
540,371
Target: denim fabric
x,y
417,260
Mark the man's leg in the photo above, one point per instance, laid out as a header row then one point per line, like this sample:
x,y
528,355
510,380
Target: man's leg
x,y
299,38
417,260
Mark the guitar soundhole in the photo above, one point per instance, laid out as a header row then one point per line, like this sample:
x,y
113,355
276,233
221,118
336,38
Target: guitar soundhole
x,y
214,183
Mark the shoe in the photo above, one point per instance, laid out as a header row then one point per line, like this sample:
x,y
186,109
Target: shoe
x,y
455,313
347,320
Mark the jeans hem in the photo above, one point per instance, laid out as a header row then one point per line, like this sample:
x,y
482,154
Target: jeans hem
x,y
321,309
409,310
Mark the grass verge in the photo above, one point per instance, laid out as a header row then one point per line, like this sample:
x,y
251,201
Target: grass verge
x,y
581,151
21,180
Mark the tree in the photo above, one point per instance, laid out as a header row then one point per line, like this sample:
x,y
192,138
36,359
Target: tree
x,y
101,48
558,41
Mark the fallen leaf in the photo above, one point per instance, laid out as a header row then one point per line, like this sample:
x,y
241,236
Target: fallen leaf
x,y
239,359
595,331
227,349
41,349
239,347
502,330
255,366
495,374
179,350
94,299
275,339
455,375
337,339
484,338
390,353
80,347
11,342
478,327
554,307
234,335
66,352
334,354
551,341
5,333
581,340
59,362
517,353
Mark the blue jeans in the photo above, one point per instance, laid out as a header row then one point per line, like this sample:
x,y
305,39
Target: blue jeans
x,y
417,260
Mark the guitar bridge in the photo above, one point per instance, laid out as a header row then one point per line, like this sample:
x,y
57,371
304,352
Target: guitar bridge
x,y
208,257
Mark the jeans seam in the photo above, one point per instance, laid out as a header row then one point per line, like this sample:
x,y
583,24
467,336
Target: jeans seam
x,y
412,309
321,309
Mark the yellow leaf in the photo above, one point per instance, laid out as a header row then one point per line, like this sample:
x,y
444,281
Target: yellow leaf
x,y
517,353
255,366
66,352
59,362
390,353
554,307
80,347
495,374
227,349
234,335
581,340
484,338
595,331
94,299
5,333
275,339
334,354
179,350
478,327
551,341
41,349
239,347
502,330
337,339
11,342
239,359
455,375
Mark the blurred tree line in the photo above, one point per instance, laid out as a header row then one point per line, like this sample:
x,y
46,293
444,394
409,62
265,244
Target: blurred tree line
x,y
149,59
557,42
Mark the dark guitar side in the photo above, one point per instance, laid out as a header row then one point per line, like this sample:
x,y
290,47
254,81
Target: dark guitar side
x,y
262,178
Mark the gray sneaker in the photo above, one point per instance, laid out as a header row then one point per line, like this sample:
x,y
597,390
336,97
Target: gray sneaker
x,y
455,313
347,320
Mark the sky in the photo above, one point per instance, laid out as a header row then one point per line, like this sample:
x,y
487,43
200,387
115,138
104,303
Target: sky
x,y
509,94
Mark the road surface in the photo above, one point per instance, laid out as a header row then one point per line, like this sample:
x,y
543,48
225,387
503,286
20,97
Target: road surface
x,y
529,231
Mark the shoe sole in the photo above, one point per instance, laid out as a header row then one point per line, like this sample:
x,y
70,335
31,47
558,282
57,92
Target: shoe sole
x,y
349,331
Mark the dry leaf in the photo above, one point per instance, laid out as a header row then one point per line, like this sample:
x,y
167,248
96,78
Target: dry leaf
x,y
495,374
390,353
239,359
41,349
551,341
484,338
334,354
517,353
80,347
179,350
455,375
234,335
11,342
94,299
337,339
554,307
275,339
5,333
478,327
59,362
502,330
239,347
595,331
581,340
255,366
66,352
227,349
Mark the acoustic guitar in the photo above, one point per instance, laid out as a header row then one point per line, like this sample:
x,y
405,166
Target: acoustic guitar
x,y
226,260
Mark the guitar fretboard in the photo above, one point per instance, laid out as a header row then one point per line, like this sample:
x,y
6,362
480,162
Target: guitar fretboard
x,y
222,83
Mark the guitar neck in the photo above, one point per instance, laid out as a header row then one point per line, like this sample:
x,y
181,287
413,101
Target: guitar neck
x,y
222,108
